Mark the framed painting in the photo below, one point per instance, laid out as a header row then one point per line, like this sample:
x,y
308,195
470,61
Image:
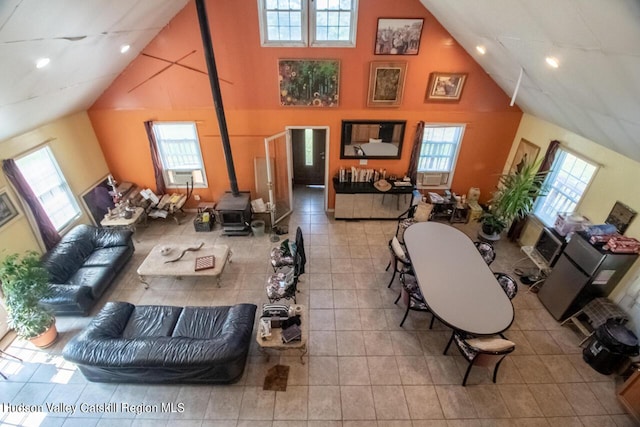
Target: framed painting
x,y
98,200
526,152
8,209
386,83
445,86
309,82
398,36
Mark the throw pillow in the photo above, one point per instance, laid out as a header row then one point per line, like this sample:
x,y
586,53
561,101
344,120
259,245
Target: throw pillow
x,y
397,249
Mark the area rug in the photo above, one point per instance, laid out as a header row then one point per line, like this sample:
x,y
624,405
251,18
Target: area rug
x,y
276,378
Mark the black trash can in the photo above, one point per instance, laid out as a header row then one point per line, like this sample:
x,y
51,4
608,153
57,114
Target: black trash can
x,y
610,347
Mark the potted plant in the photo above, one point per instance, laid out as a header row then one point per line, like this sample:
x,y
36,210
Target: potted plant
x,y
513,199
24,283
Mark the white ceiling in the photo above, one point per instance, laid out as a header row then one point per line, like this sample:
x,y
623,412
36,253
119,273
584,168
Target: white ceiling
x,y
595,92
80,70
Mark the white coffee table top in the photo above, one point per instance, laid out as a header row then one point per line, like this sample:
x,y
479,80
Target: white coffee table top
x,y
155,263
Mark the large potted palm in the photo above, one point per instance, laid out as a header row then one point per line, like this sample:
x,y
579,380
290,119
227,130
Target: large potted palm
x,y
24,283
513,199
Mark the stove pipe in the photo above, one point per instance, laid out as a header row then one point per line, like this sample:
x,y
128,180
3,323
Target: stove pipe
x,y
215,92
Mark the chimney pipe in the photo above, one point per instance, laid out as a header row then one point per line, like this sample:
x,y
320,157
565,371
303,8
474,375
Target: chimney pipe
x,y
207,44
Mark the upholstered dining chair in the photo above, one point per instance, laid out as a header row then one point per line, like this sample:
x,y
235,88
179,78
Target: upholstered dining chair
x,y
487,251
280,260
484,351
412,297
284,284
399,259
508,284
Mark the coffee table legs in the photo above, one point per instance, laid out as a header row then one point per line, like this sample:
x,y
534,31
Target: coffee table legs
x,y
143,281
302,350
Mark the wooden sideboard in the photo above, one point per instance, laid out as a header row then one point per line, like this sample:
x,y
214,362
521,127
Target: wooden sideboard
x,y
629,395
361,200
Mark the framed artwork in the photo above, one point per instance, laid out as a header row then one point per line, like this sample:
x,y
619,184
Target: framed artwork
x,y
98,200
309,82
526,152
445,86
398,36
8,210
386,83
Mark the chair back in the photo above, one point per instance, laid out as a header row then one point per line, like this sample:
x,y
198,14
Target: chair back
x,y
508,284
397,253
487,251
300,250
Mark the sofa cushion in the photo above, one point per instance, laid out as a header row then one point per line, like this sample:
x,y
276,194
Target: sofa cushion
x,y
97,278
109,237
201,322
148,321
107,256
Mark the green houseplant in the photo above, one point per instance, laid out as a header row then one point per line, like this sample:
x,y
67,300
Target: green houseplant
x,y
513,199
24,283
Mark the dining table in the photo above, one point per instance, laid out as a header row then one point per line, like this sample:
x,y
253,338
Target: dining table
x,y
458,286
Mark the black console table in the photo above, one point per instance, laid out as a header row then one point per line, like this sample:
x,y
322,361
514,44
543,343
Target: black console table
x,y
361,200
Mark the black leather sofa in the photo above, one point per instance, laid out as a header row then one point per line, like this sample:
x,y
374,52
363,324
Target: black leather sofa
x,y
164,344
82,265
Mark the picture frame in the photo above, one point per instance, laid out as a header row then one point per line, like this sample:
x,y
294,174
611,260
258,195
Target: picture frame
x,y
445,87
309,82
386,83
97,200
398,36
526,151
8,210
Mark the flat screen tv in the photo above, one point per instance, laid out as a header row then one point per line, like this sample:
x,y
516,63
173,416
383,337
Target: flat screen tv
x,y
548,246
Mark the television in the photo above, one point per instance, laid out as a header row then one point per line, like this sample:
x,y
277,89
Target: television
x,y
549,246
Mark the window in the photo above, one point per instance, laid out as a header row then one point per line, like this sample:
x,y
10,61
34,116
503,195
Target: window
x,y
566,183
438,155
308,22
308,147
43,175
180,154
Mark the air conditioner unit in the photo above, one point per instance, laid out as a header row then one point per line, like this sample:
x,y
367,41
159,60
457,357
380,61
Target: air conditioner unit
x,y
433,179
181,177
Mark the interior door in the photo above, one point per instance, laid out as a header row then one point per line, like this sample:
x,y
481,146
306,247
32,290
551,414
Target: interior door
x,y
308,149
278,151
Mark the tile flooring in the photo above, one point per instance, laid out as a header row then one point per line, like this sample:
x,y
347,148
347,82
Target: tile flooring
x,y
362,369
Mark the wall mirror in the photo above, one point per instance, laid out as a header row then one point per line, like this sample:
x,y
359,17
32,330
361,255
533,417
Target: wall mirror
x,y
372,139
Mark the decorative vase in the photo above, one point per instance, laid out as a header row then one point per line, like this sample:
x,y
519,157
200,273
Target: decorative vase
x,y
47,338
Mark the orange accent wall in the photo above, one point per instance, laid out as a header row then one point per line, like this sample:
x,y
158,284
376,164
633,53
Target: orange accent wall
x,y
148,90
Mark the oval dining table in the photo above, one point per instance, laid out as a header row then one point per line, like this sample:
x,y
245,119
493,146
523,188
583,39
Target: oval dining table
x,y
458,286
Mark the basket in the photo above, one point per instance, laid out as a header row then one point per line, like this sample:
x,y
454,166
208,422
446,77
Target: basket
x,y
199,225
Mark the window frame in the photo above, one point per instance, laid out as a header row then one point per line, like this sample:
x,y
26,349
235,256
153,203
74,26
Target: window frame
x,y
454,159
166,170
308,28
547,184
64,185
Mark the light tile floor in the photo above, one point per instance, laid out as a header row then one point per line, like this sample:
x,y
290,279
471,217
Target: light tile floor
x,y
362,369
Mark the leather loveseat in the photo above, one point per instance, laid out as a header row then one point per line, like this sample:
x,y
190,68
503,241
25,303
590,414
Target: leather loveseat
x,y
164,344
82,265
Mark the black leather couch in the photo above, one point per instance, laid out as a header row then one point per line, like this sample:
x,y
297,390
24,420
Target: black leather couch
x,y
164,344
82,265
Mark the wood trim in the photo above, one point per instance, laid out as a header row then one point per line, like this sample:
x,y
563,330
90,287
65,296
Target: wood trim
x,y
629,395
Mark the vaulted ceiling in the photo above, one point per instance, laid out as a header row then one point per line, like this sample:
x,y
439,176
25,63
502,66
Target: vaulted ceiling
x,y
594,92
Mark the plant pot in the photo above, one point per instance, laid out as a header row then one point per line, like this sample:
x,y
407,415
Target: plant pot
x,y
488,237
47,338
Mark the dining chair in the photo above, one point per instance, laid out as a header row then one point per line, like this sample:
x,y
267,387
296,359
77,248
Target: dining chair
x,y
508,284
483,351
399,259
412,297
284,284
487,251
405,220
279,259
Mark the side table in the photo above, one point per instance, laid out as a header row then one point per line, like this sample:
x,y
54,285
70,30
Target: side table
x,y
275,341
120,221
460,213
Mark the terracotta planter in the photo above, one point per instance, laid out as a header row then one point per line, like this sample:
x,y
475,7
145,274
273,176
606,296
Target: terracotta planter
x,y
47,338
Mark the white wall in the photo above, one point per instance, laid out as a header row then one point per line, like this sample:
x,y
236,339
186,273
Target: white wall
x,y
616,180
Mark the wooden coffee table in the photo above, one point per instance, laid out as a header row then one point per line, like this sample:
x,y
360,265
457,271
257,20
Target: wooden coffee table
x,y
155,264
275,341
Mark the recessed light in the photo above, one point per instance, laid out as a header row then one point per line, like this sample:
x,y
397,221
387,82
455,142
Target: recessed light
x,y
42,62
552,61
124,48
481,49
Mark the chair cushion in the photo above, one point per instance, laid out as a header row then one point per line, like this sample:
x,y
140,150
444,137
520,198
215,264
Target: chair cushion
x,y
279,260
491,344
402,227
397,250
279,283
